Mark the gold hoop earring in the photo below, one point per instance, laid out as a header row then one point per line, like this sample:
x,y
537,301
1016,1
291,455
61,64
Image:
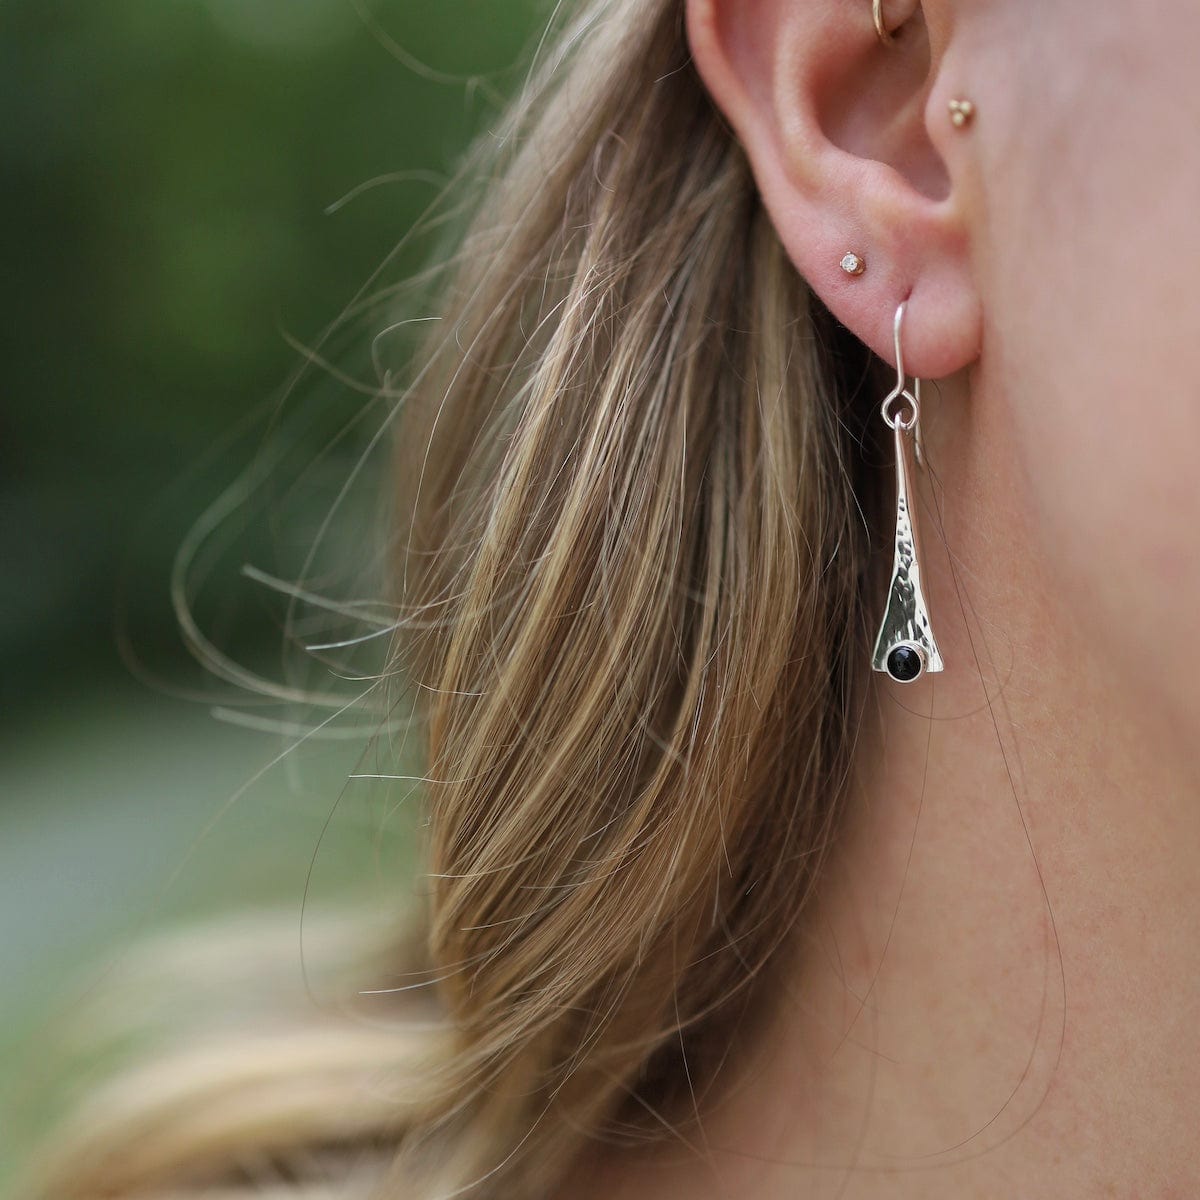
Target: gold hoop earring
x,y
880,28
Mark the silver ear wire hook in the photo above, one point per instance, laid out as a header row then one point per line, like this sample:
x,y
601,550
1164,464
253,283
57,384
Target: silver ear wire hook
x,y
918,441
901,391
898,339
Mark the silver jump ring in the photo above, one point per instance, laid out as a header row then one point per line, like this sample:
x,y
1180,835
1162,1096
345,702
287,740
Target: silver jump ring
x,y
892,415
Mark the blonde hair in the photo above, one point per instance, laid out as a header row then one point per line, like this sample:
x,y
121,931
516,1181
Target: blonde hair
x,y
632,485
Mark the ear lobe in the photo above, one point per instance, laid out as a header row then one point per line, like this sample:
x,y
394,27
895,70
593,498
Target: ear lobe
x,y
836,127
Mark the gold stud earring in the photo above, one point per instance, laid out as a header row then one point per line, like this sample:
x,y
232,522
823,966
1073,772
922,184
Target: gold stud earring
x,y
854,264
961,112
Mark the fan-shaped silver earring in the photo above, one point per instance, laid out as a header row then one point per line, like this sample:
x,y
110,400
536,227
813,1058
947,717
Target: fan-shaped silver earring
x,y
905,648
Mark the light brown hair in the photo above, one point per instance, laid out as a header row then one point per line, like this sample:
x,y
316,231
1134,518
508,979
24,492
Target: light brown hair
x,y
631,559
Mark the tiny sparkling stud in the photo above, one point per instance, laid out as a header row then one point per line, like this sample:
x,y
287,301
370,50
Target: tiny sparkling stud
x,y
961,112
853,264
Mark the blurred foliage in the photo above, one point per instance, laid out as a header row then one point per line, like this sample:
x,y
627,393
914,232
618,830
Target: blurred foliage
x,y
171,171
174,174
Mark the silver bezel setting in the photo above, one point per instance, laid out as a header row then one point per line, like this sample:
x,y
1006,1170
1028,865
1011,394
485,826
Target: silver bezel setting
x,y
922,657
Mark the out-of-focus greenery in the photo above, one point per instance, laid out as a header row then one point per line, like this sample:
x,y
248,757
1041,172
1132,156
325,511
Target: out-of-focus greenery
x,y
171,171
167,166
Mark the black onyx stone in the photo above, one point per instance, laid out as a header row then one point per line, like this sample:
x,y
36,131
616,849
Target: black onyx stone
x,y
904,664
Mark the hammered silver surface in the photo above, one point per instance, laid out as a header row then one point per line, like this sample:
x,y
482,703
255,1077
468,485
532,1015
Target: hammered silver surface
x,y
906,618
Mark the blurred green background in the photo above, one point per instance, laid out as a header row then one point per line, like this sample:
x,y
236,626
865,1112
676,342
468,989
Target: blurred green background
x,y
190,189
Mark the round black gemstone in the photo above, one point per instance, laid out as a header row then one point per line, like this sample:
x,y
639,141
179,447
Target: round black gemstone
x,y
904,664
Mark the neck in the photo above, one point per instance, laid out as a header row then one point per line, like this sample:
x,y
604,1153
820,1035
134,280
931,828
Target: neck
x,y
995,992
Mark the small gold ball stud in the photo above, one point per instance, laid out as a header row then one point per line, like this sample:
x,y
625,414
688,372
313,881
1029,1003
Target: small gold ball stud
x,y
961,112
853,264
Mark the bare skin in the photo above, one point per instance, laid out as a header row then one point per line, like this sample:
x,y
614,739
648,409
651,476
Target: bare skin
x,y
996,995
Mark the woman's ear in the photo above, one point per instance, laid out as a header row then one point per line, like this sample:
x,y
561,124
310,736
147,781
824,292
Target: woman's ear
x,y
853,149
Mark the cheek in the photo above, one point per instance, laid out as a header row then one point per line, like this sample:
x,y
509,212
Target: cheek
x,y
1090,280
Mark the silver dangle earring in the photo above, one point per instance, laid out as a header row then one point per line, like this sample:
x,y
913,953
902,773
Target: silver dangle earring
x,y
905,648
